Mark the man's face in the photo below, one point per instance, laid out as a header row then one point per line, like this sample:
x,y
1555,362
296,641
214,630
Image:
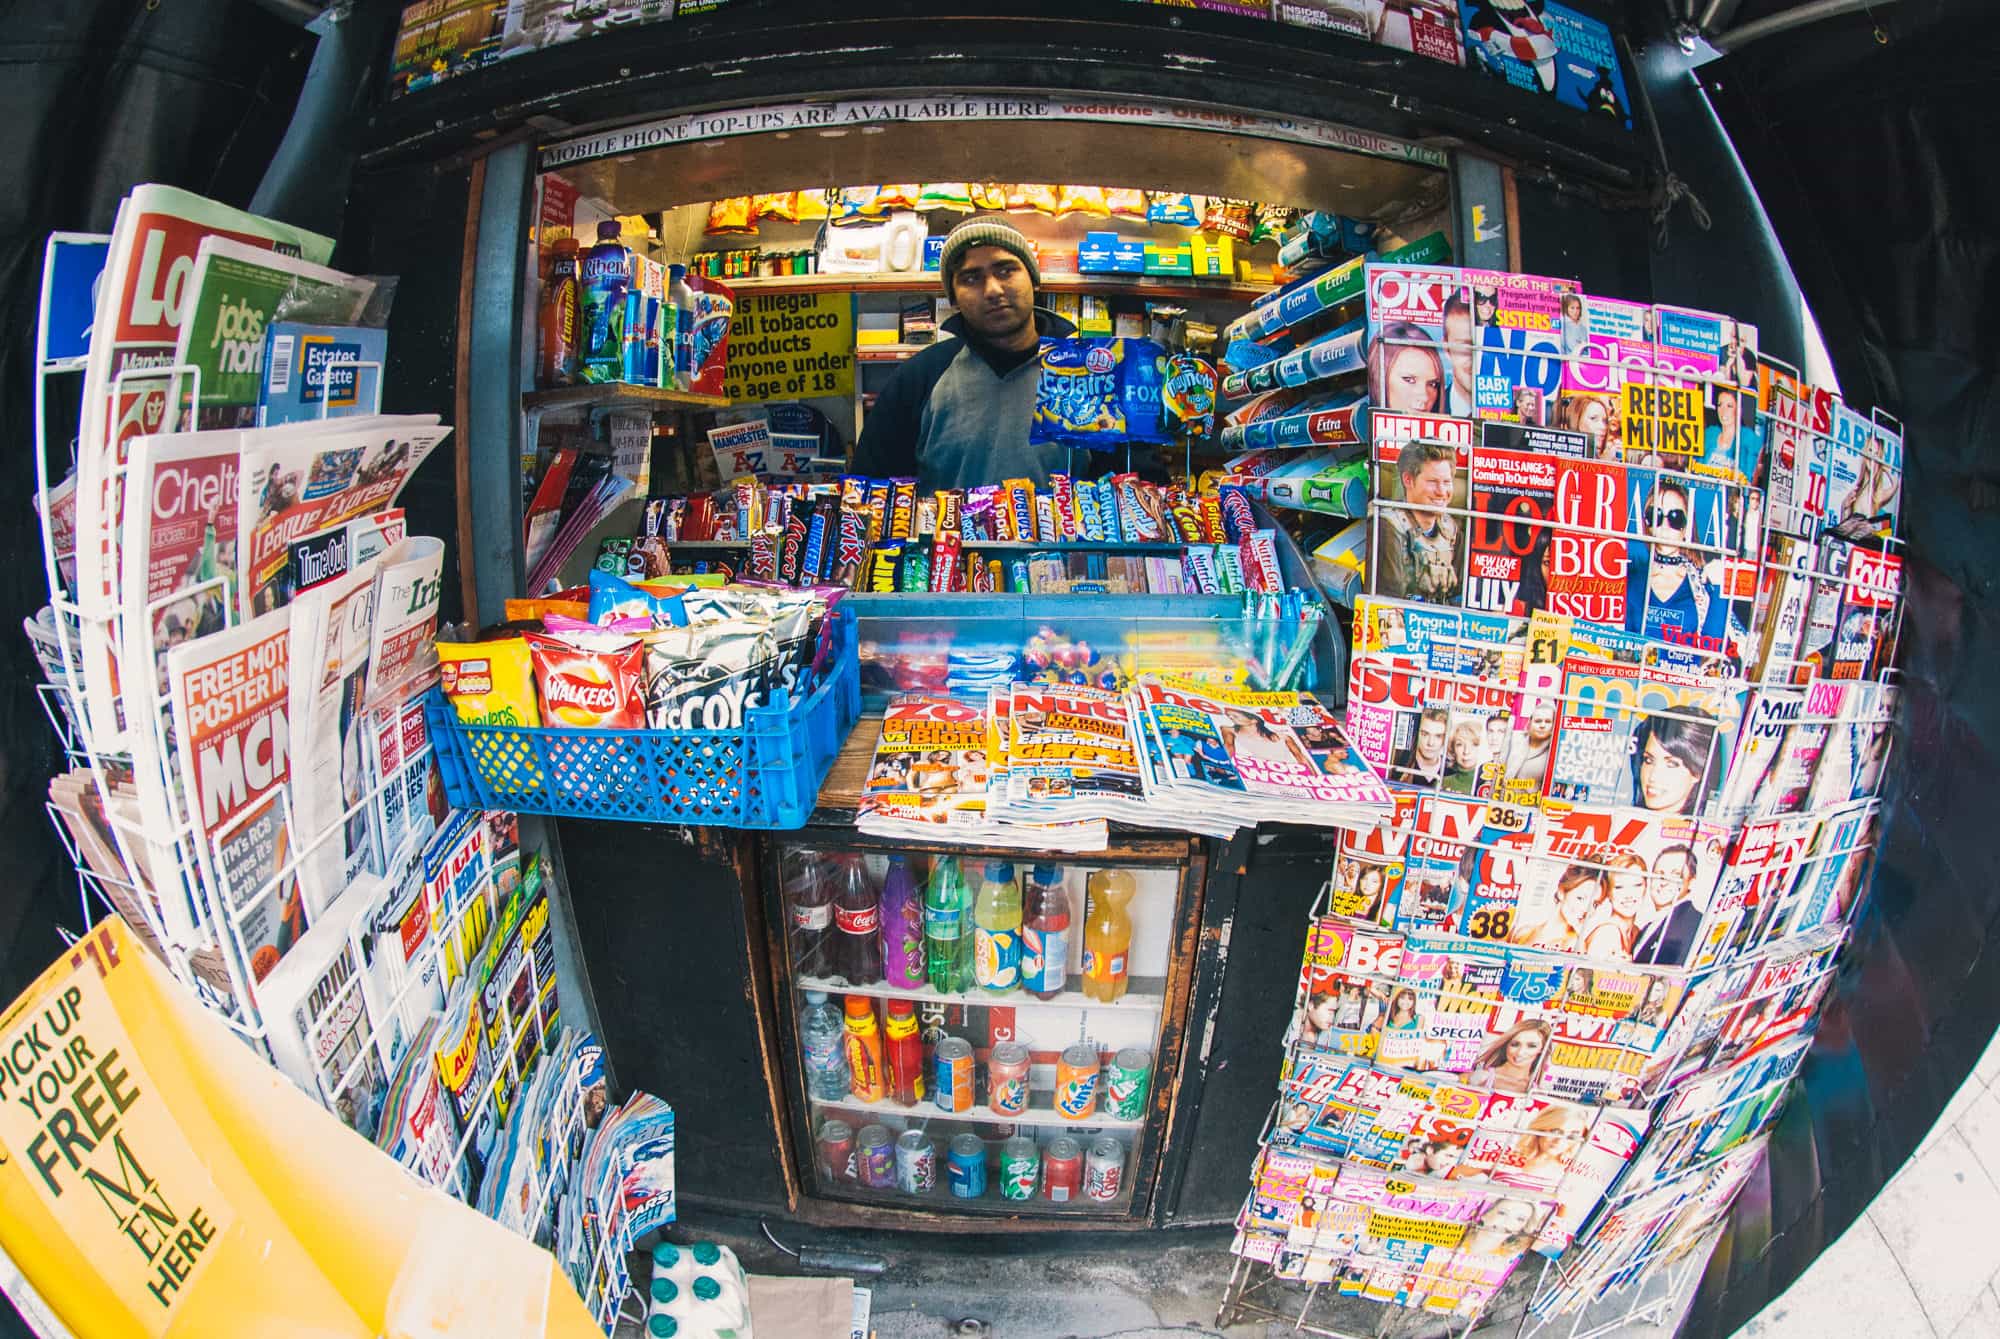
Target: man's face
x,y
1430,741
993,293
1541,723
1430,487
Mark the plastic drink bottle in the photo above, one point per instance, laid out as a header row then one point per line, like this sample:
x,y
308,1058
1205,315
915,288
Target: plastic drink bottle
x,y
682,298
1107,935
823,1038
996,936
947,936
904,1052
1045,934
560,317
810,899
605,279
864,1051
857,927
902,927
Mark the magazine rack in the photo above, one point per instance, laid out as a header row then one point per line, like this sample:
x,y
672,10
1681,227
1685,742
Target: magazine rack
x,y
167,881
1797,706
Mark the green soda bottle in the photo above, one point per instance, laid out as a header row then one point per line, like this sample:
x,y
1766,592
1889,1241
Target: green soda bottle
x,y
947,928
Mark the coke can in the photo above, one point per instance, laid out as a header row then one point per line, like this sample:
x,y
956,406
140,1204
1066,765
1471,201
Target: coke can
x,y
1126,1080
1076,1082
836,1150
1007,1079
952,1074
1020,1164
1104,1173
1062,1169
877,1157
965,1167
916,1163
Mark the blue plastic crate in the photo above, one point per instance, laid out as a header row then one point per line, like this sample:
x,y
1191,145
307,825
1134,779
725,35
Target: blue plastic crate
x,y
765,775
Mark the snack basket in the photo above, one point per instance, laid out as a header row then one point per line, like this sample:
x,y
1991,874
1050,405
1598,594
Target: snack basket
x,y
765,774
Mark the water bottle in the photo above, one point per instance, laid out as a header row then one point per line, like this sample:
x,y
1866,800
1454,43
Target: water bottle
x,y
823,1038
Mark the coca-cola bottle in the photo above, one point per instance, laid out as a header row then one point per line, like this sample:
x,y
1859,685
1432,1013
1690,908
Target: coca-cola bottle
x,y
857,926
809,899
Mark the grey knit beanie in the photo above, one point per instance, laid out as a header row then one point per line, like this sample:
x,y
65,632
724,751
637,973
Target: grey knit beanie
x,y
988,231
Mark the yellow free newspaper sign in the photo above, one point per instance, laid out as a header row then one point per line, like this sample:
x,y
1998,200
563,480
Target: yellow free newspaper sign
x,y
83,1124
157,1177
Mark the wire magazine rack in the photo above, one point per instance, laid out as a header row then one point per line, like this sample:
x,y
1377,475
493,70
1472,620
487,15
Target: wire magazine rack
x,y
1784,872
169,882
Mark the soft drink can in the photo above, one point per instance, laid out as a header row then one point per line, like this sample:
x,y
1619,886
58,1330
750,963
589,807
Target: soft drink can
x,y
1062,1169
1126,1080
952,1072
836,1150
965,1167
1076,1082
1104,1173
1020,1165
877,1157
916,1163
1007,1079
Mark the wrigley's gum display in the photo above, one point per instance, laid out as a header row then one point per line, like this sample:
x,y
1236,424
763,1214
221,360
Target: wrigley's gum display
x,y
1334,354
1341,284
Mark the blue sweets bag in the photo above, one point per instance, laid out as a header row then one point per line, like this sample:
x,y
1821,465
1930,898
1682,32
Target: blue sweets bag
x,y
1099,393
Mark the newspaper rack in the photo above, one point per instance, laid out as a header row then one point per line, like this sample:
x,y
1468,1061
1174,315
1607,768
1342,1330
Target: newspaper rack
x,y
125,867
764,774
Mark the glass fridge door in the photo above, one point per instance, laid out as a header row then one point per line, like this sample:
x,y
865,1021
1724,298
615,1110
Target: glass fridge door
x,y
979,1035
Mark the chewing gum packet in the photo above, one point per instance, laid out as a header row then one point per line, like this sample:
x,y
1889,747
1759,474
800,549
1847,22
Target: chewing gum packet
x,y
489,683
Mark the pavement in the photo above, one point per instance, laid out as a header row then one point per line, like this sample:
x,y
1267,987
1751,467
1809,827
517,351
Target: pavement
x,y
1924,1260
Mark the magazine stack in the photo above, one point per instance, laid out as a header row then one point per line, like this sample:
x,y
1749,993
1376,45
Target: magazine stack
x,y
1624,657
239,638
1049,766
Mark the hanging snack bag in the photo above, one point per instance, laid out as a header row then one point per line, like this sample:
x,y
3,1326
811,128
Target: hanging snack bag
x,y
590,681
1088,201
781,205
1078,401
1125,202
1231,218
1024,198
955,196
1188,397
1141,384
989,195
489,683
714,305
811,206
731,218
1175,211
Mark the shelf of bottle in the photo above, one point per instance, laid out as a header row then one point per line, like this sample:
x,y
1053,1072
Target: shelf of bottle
x,y
1041,1113
1145,994
618,394
1138,285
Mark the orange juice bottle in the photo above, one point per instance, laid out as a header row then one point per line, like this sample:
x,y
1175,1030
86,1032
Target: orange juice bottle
x,y
1107,934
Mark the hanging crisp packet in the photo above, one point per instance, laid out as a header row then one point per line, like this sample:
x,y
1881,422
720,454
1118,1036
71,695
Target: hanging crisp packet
x,y
1189,395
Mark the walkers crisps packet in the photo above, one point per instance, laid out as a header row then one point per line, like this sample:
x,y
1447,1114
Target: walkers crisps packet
x,y
590,681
